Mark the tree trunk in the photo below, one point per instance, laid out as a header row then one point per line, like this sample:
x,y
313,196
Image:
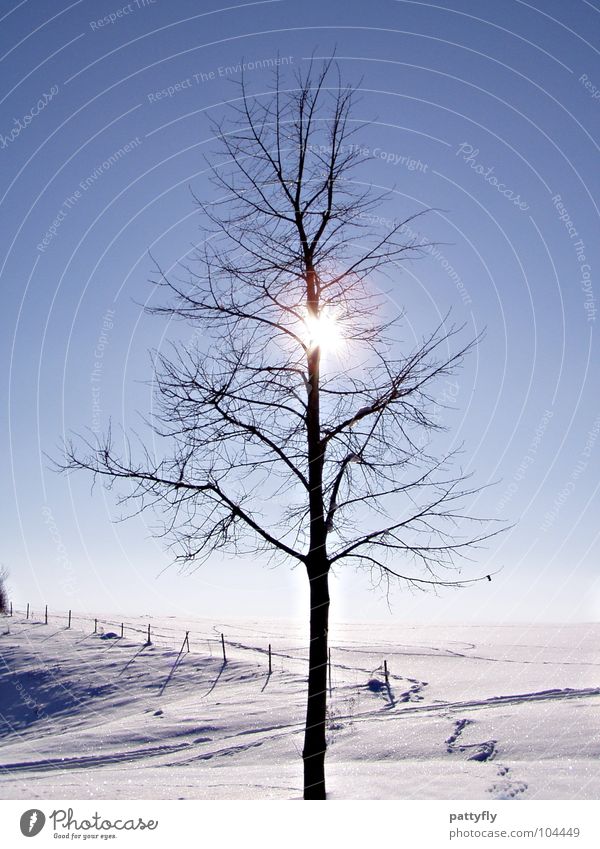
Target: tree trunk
x,y
317,566
314,735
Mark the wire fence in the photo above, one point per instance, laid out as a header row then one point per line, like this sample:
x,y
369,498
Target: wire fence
x,y
150,634
352,680
182,641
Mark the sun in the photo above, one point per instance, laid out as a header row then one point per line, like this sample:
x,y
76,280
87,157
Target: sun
x,y
324,332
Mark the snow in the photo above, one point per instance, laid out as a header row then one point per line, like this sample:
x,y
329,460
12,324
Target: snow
x,y
471,712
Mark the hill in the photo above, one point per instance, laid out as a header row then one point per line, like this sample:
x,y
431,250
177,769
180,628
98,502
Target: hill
x,y
470,712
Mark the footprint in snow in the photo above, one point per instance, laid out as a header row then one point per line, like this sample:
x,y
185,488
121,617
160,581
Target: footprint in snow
x,y
508,789
482,751
485,751
459,727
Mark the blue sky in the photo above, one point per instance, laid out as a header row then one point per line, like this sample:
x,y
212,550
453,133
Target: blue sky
x,y
485,112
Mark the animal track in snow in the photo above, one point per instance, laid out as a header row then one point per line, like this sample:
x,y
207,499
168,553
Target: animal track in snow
x,y
413,694
507,788
459,726
482,751
485,751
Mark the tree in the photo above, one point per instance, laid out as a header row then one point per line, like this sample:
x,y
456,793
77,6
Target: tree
x,y
4,603
275,444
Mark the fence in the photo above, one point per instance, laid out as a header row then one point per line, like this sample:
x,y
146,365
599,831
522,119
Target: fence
x,y
153,636
157,636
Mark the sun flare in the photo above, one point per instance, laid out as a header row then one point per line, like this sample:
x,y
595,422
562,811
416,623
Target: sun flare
x,y
324,332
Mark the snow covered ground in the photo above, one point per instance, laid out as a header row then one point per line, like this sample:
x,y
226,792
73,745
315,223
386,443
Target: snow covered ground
x,y
471,712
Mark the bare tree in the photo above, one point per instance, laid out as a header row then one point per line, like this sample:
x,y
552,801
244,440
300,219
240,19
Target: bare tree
x,y
276,442
4,602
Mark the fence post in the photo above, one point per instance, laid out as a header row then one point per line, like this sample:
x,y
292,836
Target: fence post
x,y
69,625
187,640
121,630
46,615
223,646
385,672
149,640
270,667
11,613
27,617
95,626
